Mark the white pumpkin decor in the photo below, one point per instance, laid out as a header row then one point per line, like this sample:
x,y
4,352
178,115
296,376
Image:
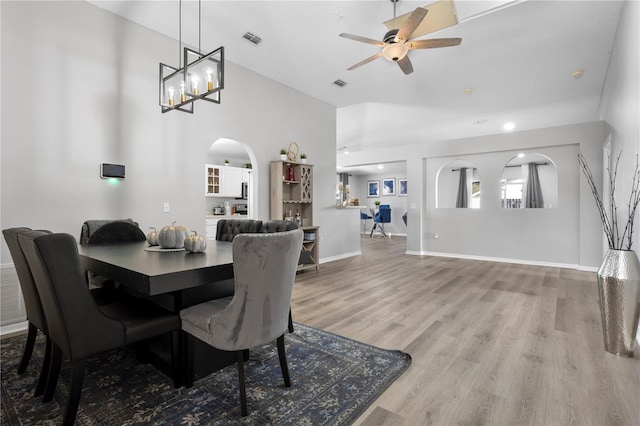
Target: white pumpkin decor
x,y
195,243
172,236
152,237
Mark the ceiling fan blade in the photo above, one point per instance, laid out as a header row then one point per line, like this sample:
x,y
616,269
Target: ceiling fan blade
x,y
432,43
363,39
366,61
410,25
405,65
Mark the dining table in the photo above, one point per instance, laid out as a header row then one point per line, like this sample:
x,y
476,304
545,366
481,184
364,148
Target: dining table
x,y
163,276
152,271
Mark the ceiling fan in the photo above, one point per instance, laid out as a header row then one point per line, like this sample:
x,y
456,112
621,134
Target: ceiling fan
x,y
396,43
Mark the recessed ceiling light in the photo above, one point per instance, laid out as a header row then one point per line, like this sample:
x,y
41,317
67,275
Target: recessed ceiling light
x,y
577,73
509,126
346,153
380,167
521,155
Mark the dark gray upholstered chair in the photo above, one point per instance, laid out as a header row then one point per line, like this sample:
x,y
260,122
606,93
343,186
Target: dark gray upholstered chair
x,y
77,327
264,268
33,306
107,232
229,228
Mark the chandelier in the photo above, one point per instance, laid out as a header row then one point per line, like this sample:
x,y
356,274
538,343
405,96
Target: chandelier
x,y
201,77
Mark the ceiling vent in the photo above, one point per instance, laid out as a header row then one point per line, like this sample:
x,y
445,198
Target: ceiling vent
x,y
252,38
340,83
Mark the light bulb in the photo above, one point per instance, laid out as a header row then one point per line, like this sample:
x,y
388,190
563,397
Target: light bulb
x,y
209,73
183,96
194,83
395,51
172,92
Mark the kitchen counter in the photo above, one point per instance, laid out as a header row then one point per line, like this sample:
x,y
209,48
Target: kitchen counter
x,y
225,216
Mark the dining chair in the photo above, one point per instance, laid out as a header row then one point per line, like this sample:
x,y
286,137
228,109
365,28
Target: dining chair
x,y
381,217
108,232
364,216
77,327
35,313
32,304
264,268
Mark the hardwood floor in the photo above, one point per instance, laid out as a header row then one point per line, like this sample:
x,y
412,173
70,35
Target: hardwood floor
x,y
491,343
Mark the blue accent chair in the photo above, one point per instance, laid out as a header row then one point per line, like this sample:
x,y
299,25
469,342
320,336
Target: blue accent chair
x,y
383,216
364,217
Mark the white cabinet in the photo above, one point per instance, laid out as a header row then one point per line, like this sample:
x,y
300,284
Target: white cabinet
x,y
223,181
210,228
231,182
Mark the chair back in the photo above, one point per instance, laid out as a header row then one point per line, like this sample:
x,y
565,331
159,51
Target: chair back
x,y
227,229
117,231
32,304
264,266
278,226
89,227
384,214
72,315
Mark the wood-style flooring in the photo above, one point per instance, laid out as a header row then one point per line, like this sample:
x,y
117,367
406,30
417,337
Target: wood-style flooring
x,y
492,343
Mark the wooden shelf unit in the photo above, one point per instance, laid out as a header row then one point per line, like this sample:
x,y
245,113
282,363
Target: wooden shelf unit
x,y
291,193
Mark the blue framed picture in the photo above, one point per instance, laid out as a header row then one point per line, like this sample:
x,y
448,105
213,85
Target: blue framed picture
x,y
389,186
374,188
402,187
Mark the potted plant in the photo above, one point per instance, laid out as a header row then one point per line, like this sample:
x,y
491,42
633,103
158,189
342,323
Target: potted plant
x,y
248,166
283,154
226,162
377,203
303,158
619,273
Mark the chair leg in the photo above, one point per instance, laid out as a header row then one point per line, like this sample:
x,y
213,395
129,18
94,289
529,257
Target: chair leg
x,y
176,358
46,366
187,359
77,376
243,392
53,373
283,361
32,332
290,322
373,228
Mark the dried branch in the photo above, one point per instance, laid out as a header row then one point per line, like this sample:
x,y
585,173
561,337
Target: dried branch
x,y
610,219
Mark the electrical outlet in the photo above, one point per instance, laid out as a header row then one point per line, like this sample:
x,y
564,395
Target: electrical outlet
x,y
165,207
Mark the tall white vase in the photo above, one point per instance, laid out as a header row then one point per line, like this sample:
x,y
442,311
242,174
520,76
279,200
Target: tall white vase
x,y
619,288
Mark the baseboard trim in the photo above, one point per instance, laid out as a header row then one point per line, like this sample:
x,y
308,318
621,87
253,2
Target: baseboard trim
x,y
19,327
504,260
340,256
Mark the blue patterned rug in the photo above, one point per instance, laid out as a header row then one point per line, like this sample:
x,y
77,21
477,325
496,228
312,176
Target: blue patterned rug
x,y
334,379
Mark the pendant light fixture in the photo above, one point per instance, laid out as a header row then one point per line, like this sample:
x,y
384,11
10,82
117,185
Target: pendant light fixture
x,y
201,77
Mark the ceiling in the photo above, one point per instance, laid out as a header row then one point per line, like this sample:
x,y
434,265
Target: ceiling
x,y
517,57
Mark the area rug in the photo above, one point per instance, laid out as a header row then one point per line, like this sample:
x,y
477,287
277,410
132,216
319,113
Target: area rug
x,y
334,380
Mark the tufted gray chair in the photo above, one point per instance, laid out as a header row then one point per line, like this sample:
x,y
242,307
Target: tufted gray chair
x,y
229,228
264,268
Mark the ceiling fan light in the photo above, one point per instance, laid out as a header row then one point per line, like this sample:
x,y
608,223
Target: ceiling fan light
x,y
395,51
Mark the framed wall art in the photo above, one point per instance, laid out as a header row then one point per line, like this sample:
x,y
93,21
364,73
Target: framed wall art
x,y
373,188
402,187
389,186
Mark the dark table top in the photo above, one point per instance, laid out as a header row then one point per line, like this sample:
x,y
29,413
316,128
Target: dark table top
x,y
153,273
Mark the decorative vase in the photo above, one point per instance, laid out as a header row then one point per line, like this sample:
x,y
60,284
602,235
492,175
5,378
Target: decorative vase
x,y
303,160
619,291
283,157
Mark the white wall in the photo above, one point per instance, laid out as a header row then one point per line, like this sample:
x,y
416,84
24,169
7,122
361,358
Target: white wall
x,y
79,87
423,161
620,104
